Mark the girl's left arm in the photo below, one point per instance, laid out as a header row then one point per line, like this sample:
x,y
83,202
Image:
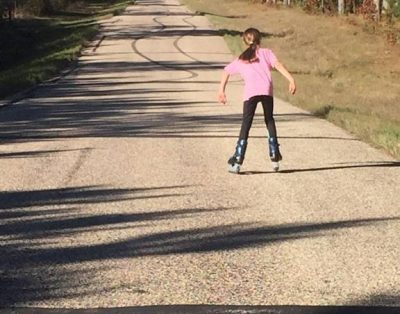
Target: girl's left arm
x,y
281,69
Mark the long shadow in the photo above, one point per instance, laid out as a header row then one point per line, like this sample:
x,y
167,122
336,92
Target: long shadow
x,y
156,13
62,224
75,195
123,67
221,238
213,239
179,31
202,13
388,164
378,164
160,4
88,111
38,219
35,271
319,138
123,117
38,154
380,299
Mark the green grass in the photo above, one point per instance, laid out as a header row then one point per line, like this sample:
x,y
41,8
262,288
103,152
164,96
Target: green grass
x,y
234,43
378,131
36,49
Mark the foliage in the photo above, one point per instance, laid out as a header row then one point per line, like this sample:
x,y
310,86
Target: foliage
x,y
368,10
46,7
7,8
312,6
41,7
35,49
393,9
2,8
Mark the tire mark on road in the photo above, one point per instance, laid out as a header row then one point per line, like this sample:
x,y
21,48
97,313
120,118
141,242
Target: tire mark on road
x,y
83,156
176,42
162,64
193,30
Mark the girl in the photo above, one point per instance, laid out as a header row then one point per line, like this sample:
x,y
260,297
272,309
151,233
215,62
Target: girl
x,y
254,65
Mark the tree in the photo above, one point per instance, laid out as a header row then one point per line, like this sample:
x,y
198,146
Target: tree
x,y
378,5
341,6
8,8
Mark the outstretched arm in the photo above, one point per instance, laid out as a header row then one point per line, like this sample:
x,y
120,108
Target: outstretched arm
x,y
281,69
222,85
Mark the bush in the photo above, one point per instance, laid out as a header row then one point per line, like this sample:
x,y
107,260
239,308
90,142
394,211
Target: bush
x,y
368,10
41,7
393,8
312,6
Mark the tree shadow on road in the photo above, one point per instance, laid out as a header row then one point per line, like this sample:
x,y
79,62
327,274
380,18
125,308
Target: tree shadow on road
x,y
85,108
33,220
34,261
212,239
72,195
124,117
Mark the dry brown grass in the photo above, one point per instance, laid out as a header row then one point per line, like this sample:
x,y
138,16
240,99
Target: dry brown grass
x,y
346,70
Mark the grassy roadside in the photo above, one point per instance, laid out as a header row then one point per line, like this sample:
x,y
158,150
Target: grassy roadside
x,y
346,72
35,49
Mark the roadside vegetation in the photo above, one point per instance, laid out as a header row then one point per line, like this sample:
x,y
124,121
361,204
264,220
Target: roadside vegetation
x,y
40,38
347,67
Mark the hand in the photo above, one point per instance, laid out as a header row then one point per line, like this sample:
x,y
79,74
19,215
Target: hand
x,y
292,87
222,97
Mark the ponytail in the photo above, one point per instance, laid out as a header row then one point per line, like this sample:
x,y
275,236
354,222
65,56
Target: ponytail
x,y
249,54
252,38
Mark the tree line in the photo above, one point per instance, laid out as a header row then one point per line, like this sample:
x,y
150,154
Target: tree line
x,y
370,9
10,8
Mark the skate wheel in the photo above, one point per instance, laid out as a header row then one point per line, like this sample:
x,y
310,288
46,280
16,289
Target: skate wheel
x,y
235,168
275,166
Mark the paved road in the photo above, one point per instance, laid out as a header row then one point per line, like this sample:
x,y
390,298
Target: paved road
x,y
114,189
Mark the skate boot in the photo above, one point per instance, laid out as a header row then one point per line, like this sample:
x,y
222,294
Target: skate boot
x,y
237,159
274,153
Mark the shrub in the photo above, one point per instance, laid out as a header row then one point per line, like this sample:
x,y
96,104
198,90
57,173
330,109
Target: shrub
x,y
41,7
393,8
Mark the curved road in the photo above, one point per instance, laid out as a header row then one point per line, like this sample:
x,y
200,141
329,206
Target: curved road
x,y
115,190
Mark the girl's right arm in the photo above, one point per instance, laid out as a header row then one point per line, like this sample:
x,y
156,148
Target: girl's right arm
x,y
221,92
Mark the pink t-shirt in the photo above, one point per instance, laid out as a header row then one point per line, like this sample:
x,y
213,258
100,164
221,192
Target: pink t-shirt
x,y
256,75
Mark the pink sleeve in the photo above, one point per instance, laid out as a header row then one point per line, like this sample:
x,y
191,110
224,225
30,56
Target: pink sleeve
x,y
232,68
270,57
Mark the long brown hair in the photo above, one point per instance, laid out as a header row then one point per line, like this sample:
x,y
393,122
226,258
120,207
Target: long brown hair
x,y
252,38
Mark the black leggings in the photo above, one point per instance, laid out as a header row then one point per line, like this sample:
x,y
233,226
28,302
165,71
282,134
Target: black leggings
x,y
249,109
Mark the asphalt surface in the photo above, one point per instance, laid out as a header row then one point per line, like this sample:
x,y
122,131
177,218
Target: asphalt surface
x,y
115,191
213,309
